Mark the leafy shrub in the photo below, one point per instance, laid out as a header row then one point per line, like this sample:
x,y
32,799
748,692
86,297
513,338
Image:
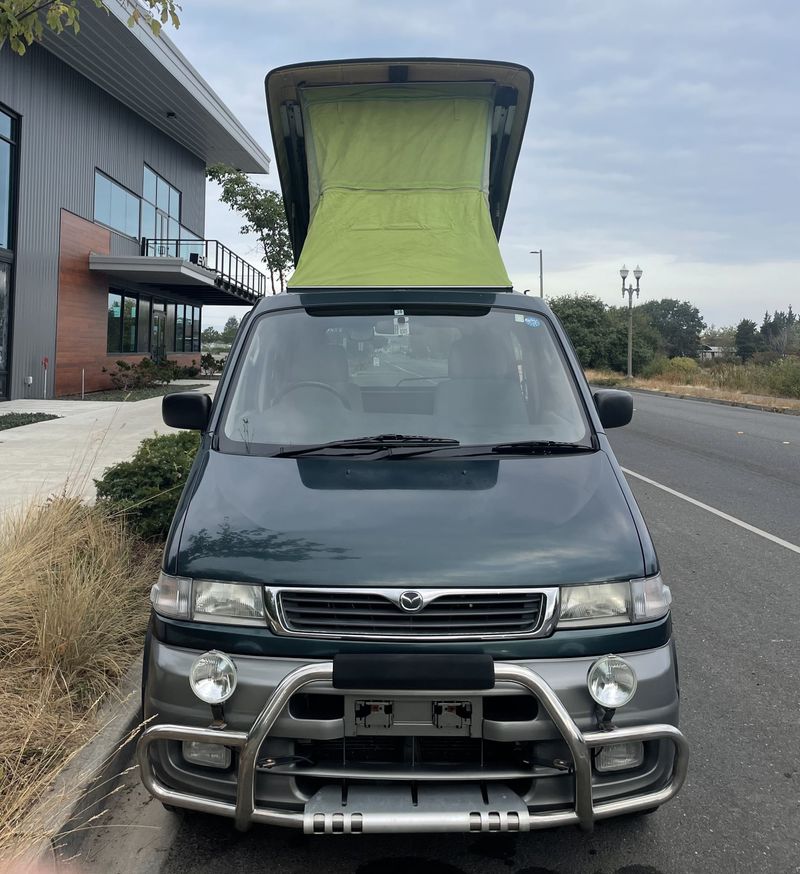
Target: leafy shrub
x,y
185,371
783,378
683,371
210,364
144,374
656,367
147,488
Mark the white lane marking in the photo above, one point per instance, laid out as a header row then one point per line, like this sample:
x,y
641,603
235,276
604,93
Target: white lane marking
x,y
765,534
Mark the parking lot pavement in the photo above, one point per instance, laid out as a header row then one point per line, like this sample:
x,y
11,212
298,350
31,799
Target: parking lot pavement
x,y
63,456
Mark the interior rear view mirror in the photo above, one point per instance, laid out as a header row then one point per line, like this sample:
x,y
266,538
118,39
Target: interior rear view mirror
x,y
614,407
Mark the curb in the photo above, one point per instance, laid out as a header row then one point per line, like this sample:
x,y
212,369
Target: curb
x,y
81,789
763,408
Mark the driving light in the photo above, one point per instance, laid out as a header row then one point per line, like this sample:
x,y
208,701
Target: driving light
x,y
228,603
611,682
208,755
595,604
213,677
619,757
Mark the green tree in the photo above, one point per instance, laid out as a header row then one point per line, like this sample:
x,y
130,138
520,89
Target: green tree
x,y
264,215
23,22
228,333
585,320
779,331
210,335
748,341
679,324
646,339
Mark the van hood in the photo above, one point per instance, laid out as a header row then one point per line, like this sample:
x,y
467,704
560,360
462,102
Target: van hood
x,y
545,520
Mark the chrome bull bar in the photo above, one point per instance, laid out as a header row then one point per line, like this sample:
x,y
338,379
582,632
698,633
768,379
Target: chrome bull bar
x,y
244,812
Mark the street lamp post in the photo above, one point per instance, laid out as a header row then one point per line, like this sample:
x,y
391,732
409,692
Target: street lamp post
x,y
637,273
541,275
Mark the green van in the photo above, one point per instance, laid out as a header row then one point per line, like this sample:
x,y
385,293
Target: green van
x,y
407,587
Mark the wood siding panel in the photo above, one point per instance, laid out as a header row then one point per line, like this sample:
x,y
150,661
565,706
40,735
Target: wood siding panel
x,y
82,320
82,308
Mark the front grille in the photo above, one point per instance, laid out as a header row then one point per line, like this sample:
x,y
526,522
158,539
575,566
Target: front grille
x,y
447,614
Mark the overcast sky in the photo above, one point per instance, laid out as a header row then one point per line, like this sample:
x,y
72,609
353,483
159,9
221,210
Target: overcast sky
x,y
663,132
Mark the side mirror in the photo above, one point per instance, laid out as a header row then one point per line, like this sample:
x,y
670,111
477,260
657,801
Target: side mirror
x,y
615,408
186,409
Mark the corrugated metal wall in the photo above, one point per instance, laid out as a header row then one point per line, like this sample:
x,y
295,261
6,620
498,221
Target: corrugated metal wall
x,y
68,128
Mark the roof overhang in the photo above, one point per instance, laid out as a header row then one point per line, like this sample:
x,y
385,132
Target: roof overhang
x,y
513,87
171,275
150,76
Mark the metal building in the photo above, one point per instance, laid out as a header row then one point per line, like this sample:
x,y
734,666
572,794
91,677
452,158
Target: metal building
x,y
105,137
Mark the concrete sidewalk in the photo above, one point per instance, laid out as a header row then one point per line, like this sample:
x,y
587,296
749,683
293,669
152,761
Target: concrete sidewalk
x,y
65,455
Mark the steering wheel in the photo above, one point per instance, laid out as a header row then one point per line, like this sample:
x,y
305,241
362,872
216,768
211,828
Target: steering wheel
x,y
312,383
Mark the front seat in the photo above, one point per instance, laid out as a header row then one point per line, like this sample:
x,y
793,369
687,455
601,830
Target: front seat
x,y
484,386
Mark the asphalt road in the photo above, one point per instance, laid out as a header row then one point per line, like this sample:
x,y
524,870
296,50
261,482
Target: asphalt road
x,y
737,621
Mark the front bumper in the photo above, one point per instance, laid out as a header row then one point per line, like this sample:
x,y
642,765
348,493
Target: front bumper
x,y
448,810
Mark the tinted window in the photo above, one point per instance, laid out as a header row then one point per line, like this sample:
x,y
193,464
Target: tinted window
x,y
115,207
129,326
114,323
149,185
479,376
5,194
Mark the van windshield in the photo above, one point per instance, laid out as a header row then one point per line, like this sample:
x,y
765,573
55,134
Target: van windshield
x,y
477,376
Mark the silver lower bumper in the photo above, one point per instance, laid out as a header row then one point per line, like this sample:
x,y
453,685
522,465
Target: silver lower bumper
x,y
452,810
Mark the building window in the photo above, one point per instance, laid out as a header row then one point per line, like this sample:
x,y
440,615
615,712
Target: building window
x,y
8,138
161,209
115,206
122,322
187,328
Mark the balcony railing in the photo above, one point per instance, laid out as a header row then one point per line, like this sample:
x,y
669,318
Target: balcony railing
x,y
232,273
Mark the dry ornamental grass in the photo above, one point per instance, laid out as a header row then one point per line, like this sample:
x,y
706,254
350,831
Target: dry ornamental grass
x,y
73,608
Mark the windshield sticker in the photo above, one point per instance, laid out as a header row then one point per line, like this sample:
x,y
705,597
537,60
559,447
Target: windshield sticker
x,y
399,312
518,317
533,322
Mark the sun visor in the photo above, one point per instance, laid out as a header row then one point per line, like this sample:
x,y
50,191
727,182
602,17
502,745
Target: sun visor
x,y
398,178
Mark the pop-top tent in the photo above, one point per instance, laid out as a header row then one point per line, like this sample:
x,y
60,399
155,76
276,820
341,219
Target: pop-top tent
x,y
397,173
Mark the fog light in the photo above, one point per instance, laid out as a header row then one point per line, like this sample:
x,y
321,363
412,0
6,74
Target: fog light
x,y
619,757
611,682
209,755
213,677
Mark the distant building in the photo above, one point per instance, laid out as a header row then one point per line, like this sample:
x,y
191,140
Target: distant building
x,y
709,353
105,137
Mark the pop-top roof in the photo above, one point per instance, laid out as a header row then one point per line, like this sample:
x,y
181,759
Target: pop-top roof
x,y
398,172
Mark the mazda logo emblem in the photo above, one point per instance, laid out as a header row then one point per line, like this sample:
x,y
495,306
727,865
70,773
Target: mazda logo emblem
x,y
411,602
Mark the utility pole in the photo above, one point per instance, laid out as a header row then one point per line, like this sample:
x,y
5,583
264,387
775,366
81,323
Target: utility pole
x,y
637,273
541,274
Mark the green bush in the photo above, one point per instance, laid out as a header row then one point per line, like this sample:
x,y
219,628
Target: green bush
x,y
783,378
656,367
147,488
683,371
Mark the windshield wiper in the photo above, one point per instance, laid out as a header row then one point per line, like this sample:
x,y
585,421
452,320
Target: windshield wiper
x,y
540,447
374,444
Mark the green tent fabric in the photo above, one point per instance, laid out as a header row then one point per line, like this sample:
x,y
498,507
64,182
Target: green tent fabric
x,y
398,181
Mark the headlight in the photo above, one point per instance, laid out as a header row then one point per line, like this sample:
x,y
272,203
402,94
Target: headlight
x,y
213,677
611,681
230,603
595,604
614,603
208,600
